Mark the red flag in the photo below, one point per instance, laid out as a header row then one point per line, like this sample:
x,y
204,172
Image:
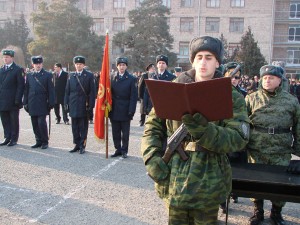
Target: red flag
x,y
103,105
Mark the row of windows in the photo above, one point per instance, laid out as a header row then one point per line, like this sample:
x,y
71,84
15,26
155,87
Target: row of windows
x,y
19,5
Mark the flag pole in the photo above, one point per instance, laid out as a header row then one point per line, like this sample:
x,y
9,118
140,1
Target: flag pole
x,y
106,136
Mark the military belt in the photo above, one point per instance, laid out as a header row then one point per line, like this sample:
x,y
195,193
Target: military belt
x,y
194,147
271,130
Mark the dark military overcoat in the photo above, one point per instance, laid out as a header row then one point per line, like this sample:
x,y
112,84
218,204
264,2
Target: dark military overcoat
x,y
124,97
39,93
11,87
77,99
60,87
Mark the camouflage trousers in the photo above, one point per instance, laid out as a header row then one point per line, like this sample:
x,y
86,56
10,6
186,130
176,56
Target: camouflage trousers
x,y
178,216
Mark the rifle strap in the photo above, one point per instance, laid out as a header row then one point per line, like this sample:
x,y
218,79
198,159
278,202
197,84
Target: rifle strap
x,y
81,85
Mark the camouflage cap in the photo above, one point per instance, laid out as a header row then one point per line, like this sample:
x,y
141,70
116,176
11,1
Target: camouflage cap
x,y
272,70
37,59
162,58
79,59
8,52
122,60
206,43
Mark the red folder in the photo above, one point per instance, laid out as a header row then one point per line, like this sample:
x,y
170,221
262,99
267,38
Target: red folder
x,y
212,98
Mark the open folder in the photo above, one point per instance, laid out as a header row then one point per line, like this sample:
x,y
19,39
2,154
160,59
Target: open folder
x,y
212,98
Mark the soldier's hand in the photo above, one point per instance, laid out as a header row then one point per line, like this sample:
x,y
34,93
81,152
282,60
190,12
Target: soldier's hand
x,y
196,124
26,107
294,167
66,107
50,107
18,104
157,169
130,114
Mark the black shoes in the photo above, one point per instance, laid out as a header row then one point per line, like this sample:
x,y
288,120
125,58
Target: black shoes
x,y
116,154
67,123
276,216
12,143
75,149
37,145
81,150
5,142
44,146
57,121
124,155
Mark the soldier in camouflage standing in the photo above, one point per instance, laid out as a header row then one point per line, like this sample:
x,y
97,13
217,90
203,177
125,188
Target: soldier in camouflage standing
x,y
274,115
193,189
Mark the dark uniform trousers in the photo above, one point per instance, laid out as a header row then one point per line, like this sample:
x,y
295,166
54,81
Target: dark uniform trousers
x,y
10,123
39,125
120,133
57,112
80,128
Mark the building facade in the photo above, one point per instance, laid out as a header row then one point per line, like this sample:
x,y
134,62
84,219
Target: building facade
x,y
274,23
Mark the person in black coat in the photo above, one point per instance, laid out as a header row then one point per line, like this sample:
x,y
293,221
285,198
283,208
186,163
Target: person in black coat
x,y
60,78
79,101
124,100
39,99
11,93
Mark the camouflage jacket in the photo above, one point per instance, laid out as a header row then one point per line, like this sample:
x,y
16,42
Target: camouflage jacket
x,y
279,110
203,180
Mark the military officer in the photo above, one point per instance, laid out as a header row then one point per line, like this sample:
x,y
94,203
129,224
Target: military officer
x,y
39,100
60,78
191,189
124,100
79,101
275,131
162,72
11,93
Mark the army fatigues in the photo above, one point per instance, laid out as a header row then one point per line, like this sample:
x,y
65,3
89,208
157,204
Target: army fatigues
x,y
200,184
80,102
39,97
11,93
272,116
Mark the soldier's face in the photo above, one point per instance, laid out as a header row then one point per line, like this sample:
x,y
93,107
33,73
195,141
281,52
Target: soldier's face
x,y
205,64
161,66
56,69
7,59
79,66
38,66
270,82
122,67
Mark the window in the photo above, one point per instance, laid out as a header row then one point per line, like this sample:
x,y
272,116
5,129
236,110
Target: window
x,y
116,50
183,48
187,24
19,5
119,4
99,25
295,11
138,3
294,33
2,6
236,25
237,3
118,24
187,3
213,3
232,47
212,24
293,56
97,4
167,3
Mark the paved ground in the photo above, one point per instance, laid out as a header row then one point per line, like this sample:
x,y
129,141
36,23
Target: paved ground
x,y
55,187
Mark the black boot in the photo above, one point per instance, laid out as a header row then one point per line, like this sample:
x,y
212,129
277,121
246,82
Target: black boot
x,y
223,207
276,216
258,215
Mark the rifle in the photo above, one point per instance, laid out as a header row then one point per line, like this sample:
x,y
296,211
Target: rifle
x,y
174,144
235,70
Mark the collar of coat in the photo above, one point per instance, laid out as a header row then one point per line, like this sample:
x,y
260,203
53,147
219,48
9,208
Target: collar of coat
x,y
189,76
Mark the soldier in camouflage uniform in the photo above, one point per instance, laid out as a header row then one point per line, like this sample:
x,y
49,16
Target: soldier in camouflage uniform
x,y
274,115
193,189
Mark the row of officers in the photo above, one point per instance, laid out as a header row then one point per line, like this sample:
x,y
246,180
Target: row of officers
x,y
41,91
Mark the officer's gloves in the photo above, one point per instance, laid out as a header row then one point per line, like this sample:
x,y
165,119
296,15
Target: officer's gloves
x,y
196,124
294,167
130,114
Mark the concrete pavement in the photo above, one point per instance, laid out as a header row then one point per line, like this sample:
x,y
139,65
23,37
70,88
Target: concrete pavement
x,y
56,187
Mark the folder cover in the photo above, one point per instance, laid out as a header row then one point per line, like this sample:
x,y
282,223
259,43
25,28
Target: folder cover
x,y
212,98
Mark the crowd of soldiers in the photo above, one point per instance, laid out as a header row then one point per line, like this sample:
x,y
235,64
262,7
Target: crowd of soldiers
x,y
191,188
